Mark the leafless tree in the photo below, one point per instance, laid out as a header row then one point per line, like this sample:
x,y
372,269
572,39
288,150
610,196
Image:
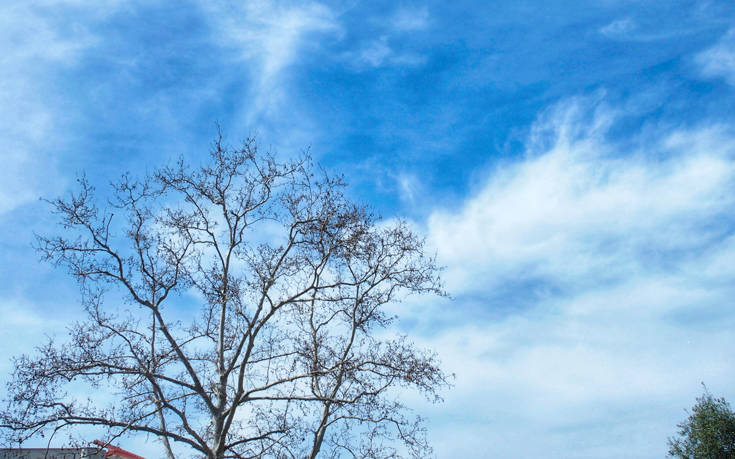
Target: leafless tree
x,y
236,308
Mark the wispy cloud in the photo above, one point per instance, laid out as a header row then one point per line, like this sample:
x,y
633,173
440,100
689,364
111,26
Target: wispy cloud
x,y
376,53
595,278
379,53
37,42
647,28
619,28
270,36
409,187
390,49
719,60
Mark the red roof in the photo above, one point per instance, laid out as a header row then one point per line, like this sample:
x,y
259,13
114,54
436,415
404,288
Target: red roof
x,y
114,451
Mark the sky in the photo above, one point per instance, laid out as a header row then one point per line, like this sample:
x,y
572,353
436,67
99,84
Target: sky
x,y
572,165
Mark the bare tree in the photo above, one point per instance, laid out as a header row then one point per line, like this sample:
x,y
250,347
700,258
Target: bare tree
x,y
236,308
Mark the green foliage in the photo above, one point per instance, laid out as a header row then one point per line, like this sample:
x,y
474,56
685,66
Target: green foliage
x,y
708,433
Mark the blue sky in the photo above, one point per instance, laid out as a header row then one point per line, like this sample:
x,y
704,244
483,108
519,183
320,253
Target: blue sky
x,y
571,163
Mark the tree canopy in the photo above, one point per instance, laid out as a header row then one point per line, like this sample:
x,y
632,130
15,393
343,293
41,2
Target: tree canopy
x,y
236,309
709,432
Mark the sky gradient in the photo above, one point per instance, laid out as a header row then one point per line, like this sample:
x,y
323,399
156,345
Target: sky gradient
x,y
572,164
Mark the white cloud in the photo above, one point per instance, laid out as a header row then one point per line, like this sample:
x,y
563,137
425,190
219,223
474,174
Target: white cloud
x,y
409,187
379,53
580,207
37,42
629,29
613,279
619,29
24,118
719,60
271,35
386,50
376,53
